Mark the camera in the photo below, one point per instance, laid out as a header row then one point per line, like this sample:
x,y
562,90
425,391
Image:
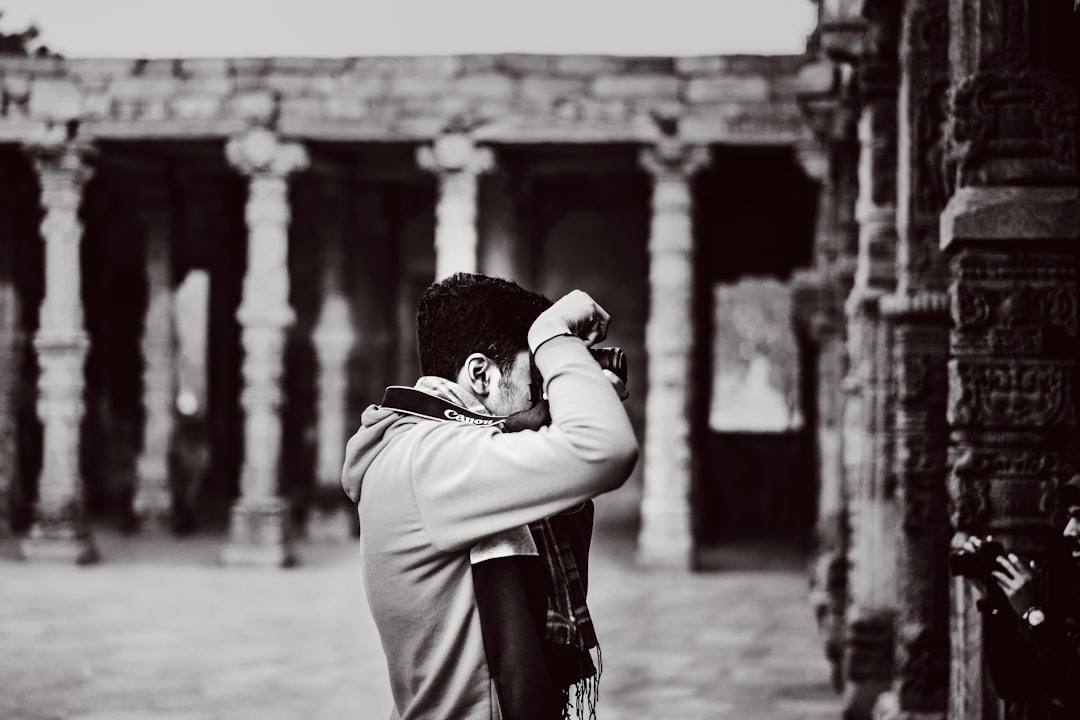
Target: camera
x,y
976,564
611,360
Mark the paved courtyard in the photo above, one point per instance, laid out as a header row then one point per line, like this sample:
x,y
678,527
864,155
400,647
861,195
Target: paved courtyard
x,y
159,631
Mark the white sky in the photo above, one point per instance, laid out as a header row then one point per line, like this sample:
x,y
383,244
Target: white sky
x,y
237,28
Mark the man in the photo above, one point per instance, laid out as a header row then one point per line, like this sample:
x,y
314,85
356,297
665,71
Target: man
x,y
444,492
1032,620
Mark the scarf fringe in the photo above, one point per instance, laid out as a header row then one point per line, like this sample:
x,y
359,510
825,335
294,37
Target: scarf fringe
x,y
582,702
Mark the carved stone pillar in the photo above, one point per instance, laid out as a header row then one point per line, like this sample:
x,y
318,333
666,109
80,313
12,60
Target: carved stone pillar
x,y
819,309
872,512
60,530
666,537
259,532
457,163
153,501
918,318
12,347
331,518
1010,231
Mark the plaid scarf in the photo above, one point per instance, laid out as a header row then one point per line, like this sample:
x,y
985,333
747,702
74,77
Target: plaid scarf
x,y
569,626
568,619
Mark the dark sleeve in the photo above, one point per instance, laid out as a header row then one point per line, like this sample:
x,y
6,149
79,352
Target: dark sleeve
x,y
1009,654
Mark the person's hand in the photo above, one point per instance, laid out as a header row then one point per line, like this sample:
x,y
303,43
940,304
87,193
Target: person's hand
x,y
574,314
617,383
1015,580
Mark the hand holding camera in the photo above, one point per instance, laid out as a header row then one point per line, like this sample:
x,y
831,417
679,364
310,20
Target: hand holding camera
x,y
574,314
986,561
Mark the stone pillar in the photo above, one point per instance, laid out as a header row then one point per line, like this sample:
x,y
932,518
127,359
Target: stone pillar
x,y
1010,232
819,309
331,517
872,513
153,501
917,315
259,532
457,163
12,347
666,537
60,530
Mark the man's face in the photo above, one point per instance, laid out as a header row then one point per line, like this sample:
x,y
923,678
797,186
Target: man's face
x,y
512,393
1072,532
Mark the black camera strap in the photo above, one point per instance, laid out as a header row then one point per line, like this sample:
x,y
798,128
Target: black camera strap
x,y
417,402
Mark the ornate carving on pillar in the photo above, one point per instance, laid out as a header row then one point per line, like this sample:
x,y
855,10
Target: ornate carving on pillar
x,y
259,532
153,501
457,162
919,325
666,536
917,321
819,309
332,517
1013,126
1010,229
876,205
60,530
1011,411
873,515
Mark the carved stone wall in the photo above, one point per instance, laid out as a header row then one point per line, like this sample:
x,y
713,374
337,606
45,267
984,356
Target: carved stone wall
x,y
1010,229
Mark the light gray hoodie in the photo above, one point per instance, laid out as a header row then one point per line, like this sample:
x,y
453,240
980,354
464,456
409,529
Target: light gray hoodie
x,y
427,491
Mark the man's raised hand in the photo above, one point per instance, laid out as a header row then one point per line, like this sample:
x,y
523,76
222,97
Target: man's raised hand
x,y
574,314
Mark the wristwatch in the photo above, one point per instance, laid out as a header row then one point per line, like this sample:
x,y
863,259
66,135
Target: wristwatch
x,y
1034,617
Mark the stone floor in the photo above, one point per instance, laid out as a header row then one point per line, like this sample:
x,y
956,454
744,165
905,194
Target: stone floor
x,y
159,631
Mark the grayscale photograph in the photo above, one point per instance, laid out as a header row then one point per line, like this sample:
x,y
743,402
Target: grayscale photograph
x,y
575,360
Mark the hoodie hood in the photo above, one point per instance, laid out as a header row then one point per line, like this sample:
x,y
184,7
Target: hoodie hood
x,y
378,426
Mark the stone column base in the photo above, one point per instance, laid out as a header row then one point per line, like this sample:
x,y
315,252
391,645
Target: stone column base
x,y
654,552
259,535
157,523
868,663
332,526
152,511
887,707
666,538
59,541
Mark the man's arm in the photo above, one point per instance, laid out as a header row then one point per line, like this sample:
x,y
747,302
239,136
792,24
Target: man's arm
x,y
472,482
1010,658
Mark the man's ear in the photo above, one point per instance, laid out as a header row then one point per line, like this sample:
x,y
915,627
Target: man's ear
x,y
476,374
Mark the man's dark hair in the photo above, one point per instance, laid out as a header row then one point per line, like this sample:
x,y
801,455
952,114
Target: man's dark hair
x,y
467,313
